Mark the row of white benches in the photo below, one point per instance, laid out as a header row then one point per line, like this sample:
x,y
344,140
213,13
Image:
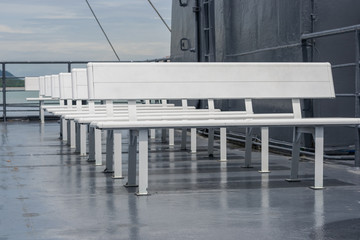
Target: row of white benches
x,y
132,82
79,92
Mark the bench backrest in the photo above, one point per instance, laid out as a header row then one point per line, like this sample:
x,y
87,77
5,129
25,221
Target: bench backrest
x,y
32,84
55,87
79,83
135,81
42,86
48,88
65,86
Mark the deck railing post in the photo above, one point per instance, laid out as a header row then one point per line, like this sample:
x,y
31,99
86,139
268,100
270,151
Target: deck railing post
x,y
357,73
4,90
357,95
356,30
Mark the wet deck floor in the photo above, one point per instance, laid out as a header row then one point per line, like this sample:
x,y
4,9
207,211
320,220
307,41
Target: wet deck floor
x,y
48,192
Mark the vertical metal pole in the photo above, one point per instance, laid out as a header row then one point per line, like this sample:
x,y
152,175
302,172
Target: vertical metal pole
x,y
193,140
357,97
77,137
357,74
264,150
319,158
307,103
117,155
83,131
248,147
143,163
171,137
313,18
197,30
132,151
98,153
4,90
72,134
211,142
212,47
91,144
304,46
357,147
223,150
68,102
295,157
109,152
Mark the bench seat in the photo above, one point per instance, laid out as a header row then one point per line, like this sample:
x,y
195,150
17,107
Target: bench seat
x,y
268,122
313,125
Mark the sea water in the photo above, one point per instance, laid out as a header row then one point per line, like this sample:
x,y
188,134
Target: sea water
x,y
18,106
18,96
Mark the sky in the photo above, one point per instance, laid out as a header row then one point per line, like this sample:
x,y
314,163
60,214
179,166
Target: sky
x,y
65,30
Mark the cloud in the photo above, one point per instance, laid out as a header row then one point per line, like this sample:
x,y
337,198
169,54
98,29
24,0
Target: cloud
x,y
144,49
62,17
117,4
7,29
66,30
83,51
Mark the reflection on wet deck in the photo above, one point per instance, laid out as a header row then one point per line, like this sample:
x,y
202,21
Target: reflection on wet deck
x,y
48,192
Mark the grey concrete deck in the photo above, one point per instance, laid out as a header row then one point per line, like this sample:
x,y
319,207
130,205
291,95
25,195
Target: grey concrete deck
x,y
48,192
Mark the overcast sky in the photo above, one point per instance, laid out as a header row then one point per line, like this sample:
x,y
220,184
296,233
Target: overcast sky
x,y
54,30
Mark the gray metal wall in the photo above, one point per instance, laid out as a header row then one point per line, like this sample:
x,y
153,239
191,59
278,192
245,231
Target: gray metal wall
x,y
183,26
270,31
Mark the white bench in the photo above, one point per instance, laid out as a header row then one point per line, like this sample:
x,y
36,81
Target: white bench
x,y
37,84
210,113
293,81
61,89
49,91
80,92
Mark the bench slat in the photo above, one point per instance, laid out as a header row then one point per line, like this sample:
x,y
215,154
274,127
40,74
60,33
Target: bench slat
x,y
134,81
229,123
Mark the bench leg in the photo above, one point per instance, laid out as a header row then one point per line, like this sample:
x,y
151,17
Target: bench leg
x,y
143,163
357,147
109,152
42,112
163,135
152,133
211,142
64,129
248,147
60,137
319,158
72,134
83,131
223,149
295,156
183,138
77,142
132,160
68,132
117,155
193,140
91,144
171,137
98,153
264,150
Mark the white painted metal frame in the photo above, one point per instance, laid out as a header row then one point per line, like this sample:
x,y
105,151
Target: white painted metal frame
x,y
258,81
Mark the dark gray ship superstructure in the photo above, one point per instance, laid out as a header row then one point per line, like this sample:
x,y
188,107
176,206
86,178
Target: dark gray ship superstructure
x,y
277,31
